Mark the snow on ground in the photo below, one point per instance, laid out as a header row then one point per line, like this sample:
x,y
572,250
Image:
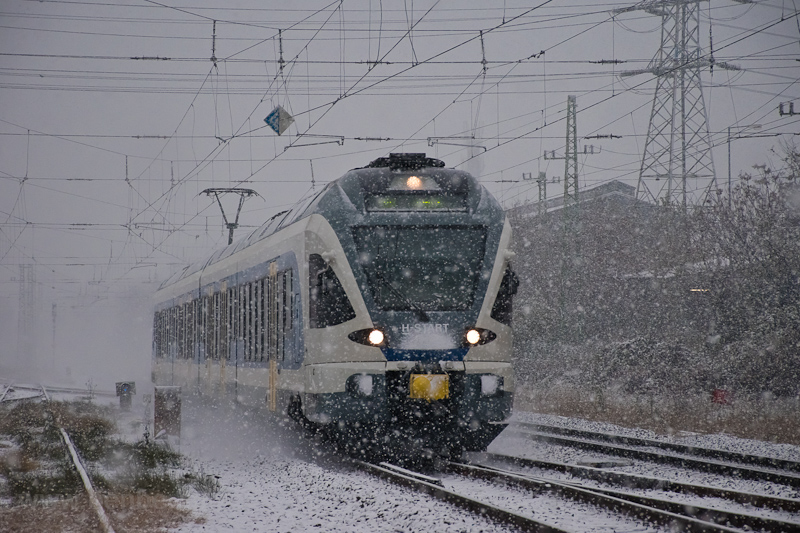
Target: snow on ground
x,y
273,478
717,441
519,444
549,508
686,499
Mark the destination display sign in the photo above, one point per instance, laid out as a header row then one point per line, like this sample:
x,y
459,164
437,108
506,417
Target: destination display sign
x,y
416,202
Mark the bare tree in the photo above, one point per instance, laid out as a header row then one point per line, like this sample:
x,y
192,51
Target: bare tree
x,y
753,241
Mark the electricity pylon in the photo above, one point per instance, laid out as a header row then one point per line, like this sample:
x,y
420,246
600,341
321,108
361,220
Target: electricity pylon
x,y
677,167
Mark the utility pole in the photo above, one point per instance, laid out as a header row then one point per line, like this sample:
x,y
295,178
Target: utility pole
x,y
541,183
26,316
570,215
677,167
788,110
54,334
243,193
570,156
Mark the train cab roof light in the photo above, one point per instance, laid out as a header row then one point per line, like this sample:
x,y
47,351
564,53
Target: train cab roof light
x,y
413,183
412,161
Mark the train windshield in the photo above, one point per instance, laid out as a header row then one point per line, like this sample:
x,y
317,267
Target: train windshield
x,y
429,268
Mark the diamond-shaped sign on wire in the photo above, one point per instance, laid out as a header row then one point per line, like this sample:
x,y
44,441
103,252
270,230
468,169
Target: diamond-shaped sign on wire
x,y
279,119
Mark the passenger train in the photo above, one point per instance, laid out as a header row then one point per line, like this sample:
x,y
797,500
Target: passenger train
x,y
380,305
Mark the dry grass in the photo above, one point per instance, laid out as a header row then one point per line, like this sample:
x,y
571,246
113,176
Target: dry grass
x,y
56,516
138,513
128,514
46,491
759,419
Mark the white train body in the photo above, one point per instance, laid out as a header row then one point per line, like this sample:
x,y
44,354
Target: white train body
x,y
287,315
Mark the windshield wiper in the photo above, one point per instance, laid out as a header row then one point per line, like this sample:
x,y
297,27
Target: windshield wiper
x,y
421,314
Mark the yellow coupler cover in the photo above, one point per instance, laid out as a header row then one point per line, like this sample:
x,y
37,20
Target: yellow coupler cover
x,y
429,387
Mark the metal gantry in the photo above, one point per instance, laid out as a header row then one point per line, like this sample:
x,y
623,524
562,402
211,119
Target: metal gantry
x,y
243,193
677,167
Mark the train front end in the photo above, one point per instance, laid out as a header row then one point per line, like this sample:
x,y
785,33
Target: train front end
x,y
428,250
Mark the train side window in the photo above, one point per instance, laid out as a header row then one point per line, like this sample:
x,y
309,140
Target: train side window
x,y
184,330
263,324
328,302
251,321
288,300
203,324
235,323
214,329
501,311
157,334
245,318
256,304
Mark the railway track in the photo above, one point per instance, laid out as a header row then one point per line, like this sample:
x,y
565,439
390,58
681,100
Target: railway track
x,y
673,505
634,481
35,391
94,501
662,510
105,523
646,512
703,459
68,390
711,453
435,488
6,399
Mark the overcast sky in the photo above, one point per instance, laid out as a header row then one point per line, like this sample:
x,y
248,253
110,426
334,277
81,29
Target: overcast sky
x,y
113,118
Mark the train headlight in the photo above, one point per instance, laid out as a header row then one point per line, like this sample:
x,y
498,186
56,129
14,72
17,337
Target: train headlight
x,y
360,385
491,385
375,337
371,337
477,336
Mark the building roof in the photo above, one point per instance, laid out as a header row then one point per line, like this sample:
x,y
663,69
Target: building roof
x,y
611,190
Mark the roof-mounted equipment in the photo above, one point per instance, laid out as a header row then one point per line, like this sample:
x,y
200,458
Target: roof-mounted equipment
x,y
406,162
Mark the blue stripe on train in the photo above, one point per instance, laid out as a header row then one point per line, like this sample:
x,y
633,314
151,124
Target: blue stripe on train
x,y
456,354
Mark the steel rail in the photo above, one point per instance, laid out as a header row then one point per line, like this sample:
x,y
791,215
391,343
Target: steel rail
x,y
712,453
643,482
475,506
707,514
705,465
70,390
3,398
21,399
105,523
411,473
674,521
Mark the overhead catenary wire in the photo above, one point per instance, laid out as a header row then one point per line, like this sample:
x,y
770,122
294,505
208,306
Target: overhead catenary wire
x,y
150,177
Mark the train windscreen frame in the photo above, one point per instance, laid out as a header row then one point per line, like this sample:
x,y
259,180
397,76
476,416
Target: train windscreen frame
x,y
429,268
